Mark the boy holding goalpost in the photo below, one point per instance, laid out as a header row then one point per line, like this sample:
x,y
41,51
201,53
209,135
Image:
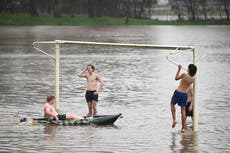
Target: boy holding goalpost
x,y
180,95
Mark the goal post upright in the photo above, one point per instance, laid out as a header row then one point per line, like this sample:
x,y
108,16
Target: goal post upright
x,y
123,45
57,72
195,101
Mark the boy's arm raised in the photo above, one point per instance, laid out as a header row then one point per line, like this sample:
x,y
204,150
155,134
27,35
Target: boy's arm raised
x,y
178,76
82,73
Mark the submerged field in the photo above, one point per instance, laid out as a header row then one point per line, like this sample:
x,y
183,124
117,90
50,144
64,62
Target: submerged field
x,y
138,83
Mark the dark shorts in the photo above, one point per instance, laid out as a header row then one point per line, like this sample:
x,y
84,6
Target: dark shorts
x,y
90,96
179,98
188,113
61,116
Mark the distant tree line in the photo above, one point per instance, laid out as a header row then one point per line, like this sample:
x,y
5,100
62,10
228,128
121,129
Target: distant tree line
x,y
184,9
199,9
92,8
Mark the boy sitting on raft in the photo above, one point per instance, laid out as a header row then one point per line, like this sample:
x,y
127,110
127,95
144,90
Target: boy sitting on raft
x,y
180,95
50,113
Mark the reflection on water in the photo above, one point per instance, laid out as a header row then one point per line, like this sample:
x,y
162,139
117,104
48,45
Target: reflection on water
x,y
184,143
139,84
50,131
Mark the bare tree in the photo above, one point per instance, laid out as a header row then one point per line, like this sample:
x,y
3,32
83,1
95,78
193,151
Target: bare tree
x,y
135,8
191,8
57,8
141,8
127,4
226,7
219,8
178,8
204,8
91,8
49,6
11,6
33,8
149,4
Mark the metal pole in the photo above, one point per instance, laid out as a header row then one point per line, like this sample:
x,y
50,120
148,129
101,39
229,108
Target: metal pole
x,y
195,101
57,62
126,45
84,43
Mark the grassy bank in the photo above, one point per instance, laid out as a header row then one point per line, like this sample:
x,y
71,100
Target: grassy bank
x,y
47,19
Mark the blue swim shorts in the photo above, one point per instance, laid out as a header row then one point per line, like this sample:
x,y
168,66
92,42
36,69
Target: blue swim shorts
x,y
179,98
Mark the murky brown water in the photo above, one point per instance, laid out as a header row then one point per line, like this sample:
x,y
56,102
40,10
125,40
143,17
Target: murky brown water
x,y
139,84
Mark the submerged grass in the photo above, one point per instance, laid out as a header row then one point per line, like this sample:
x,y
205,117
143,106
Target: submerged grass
x,y
48,19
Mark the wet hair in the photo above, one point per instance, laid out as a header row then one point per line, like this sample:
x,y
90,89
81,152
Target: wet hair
x,y
49,98
92,66
192,69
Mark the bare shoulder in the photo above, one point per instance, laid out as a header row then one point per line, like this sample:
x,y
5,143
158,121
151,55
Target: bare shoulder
x,y
183,75
99,78
47,105
97,75
190,78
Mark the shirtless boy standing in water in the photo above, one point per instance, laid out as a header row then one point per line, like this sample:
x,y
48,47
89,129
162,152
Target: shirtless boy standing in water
x,y
92,90
180,95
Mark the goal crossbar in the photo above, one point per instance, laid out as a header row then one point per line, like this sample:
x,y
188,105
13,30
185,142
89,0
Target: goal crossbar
x,y
57,44
86,43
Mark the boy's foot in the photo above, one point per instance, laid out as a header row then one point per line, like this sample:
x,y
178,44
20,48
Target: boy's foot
x,y
182,130
88,115
174,124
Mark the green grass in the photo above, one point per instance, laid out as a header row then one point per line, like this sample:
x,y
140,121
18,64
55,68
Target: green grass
x,y
48,19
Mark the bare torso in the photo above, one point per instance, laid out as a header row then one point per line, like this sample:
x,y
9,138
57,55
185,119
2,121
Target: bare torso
x,y
50,108
92,79
185,83
92,82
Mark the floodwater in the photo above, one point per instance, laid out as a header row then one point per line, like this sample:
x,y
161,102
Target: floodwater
x,y
139,84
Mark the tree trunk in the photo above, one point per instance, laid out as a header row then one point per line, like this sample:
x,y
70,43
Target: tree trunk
x,y
49,7
33,8
179,10
191,5
141,9
226,8
135,9
2,3
99,8
177,7
57,8
150,9
128,3
218,5
91,8
11,6
204,9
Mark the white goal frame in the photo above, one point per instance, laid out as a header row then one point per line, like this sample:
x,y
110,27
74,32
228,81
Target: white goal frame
x,y
58,43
